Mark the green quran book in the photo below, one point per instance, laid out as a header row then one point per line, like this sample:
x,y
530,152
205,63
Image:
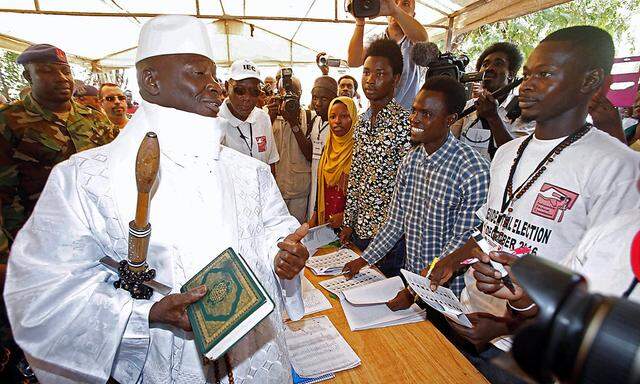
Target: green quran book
x,y
235,303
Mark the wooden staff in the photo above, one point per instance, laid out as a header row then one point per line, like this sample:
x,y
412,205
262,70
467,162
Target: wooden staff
x,y
147,165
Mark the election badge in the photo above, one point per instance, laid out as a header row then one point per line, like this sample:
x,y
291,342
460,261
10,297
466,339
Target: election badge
x,y
262,143
317,149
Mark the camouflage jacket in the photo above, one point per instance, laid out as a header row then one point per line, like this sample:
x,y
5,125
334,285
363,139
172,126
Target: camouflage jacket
x,y
32,141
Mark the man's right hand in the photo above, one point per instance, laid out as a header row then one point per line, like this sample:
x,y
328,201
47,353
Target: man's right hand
x,y
172,309
345,235
353,267
388,8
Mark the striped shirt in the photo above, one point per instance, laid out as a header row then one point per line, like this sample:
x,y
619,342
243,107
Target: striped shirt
x,y
434,204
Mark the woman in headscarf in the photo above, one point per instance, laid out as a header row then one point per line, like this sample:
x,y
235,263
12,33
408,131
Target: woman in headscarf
x,y
335,164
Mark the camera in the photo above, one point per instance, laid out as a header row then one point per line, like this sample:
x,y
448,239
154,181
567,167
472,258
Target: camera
x,y
449,65
291,99
577,337
362,8
325,60
428,55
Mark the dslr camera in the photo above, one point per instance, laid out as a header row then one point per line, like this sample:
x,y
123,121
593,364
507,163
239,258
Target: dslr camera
x,y
290,98
362,8
577,336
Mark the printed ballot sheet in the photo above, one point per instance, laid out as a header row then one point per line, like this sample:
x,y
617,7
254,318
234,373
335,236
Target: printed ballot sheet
x,y
332,263
316,347
442,300
340,283
318,237
365,307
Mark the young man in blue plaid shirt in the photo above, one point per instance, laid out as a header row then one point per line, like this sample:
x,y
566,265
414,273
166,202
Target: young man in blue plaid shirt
x,y
439,187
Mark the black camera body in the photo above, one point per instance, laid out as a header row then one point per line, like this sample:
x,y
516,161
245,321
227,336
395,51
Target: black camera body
x,y
577,337
449,65
363,8
290,99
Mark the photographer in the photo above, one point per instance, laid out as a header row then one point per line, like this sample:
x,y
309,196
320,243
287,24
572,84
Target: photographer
x,y
405,30
495,120
292,127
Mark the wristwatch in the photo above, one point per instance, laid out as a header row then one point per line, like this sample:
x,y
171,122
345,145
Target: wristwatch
x,y
295,129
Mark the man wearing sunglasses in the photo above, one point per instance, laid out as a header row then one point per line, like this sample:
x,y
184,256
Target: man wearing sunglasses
x,y
114,104
247,128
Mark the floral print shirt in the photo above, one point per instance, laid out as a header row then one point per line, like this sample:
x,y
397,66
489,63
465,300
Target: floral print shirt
x,y
378,152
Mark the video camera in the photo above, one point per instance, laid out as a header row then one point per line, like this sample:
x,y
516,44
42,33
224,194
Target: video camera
x,y
290,99
428,55
577,337
362,8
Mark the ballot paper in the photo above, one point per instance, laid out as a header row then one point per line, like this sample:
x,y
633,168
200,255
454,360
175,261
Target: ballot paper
x,y
442,300
340,283
318,237
332,263
313,299
316,348
365,307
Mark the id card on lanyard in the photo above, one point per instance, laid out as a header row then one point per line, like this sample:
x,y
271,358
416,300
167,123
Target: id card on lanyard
x,y
316,142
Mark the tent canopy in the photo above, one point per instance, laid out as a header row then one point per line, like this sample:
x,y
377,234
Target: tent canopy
x,y
103,33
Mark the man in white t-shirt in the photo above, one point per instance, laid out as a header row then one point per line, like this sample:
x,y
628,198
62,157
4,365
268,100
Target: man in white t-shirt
x,y
247,128
549,188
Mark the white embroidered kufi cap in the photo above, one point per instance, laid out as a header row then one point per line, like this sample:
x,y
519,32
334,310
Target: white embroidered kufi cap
x,y
173,34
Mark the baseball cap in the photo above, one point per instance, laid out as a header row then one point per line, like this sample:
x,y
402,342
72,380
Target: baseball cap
x,y
244,69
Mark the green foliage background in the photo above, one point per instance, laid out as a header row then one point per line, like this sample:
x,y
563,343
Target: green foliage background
x,y
526,31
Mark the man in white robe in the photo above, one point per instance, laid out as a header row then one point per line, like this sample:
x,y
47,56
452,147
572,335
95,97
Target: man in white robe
x,y
65,313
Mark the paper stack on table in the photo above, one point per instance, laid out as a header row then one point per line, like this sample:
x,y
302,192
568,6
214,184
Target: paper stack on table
x,y
365,306
442,300
316,348
332,263
317,237
340,283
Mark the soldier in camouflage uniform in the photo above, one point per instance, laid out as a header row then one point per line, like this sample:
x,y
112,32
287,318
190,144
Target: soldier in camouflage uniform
x,y
36,133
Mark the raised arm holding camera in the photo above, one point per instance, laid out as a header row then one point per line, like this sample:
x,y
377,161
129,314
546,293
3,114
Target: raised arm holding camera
x,y
405,30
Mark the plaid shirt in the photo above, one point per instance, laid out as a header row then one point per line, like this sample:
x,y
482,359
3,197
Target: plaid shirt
x,y
377,154
434,205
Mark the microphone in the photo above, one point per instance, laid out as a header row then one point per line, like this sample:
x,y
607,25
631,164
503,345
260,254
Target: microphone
x,y
635,264
424,53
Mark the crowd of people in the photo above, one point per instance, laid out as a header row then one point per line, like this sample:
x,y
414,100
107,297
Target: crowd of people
x,y
548,168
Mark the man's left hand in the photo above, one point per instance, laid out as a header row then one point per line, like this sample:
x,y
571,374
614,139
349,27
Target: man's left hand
x,y
293,255
486,105
486,327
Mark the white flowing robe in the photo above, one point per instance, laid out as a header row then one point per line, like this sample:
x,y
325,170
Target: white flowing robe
x,y
74,326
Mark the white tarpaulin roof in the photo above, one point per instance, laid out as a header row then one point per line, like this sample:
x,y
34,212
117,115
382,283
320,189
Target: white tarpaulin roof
x,y
104,33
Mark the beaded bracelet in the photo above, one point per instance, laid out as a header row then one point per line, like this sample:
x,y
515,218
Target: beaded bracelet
x,y
521,309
